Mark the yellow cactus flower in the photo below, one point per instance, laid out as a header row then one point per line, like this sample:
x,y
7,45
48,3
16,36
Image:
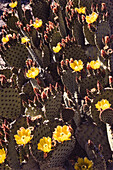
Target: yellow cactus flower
x,y
91,18
6,39
81,10
62,133
37,23
94,64
83,164
23,136
76,65
2,155
45,144
24,40
103,104
32,73
57,48
13,4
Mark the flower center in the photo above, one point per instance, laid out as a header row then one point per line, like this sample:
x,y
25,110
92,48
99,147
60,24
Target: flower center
x,y
45,145
23,137
62,134
84,167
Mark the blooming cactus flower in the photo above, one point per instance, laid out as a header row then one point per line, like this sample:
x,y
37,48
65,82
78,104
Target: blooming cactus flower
x,y
6,39
94,64
24,40
32,73
45,144
76,65
103,104
2,155
57,48
91,18
83,164
62,133
13,4
37,23
81,10
23,136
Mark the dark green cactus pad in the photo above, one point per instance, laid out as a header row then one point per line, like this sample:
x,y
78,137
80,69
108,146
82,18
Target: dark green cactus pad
x,y
46,56
61,153
41,131
88,35
10,103
78,32
16,55
110,135
56,38
6,72
86,3
44,166
28,90
12,154
20,122
62,3
20,78
103,29
96,156
40,9
109,7
89,82
52,106
106,94
55,123
69,80
92,52
11,23
31,164
76,52
67,114
106,116
88,131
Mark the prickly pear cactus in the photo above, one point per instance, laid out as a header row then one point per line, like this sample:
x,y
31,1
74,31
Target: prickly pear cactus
x,y
10,104
57,66
91,132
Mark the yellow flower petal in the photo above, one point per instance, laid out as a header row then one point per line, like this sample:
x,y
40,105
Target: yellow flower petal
x,y
83,164
6,39
24,40
32,73
103,104
94,64
37,23
62,133
2,155
81,10
45,144
23,136
13,4
91,18
77,65
57,48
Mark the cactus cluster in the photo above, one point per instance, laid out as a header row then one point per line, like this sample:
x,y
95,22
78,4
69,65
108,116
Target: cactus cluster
x,y
56,86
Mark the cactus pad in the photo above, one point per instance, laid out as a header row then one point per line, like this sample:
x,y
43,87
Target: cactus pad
x,y
61,153
88,131
10,103
41,131
103,29
106,116
106,94
16,55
